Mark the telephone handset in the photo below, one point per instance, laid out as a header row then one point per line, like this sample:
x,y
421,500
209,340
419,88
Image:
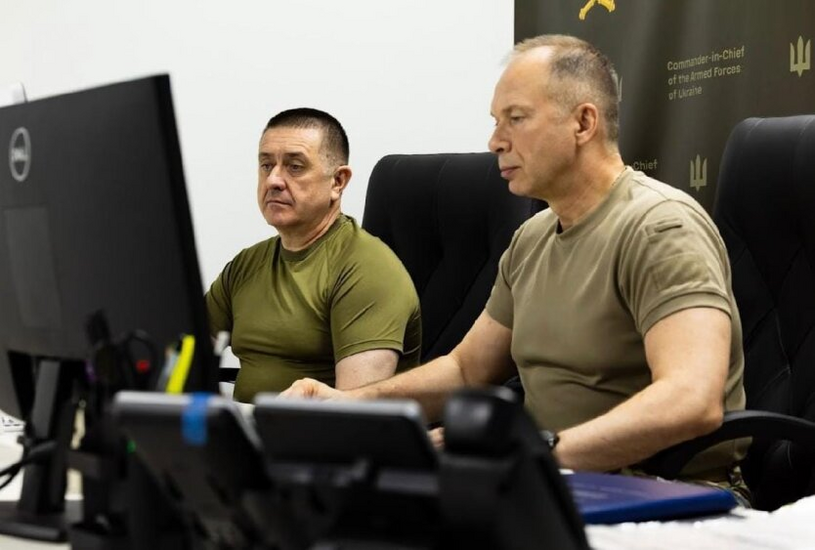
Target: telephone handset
x,y
499,484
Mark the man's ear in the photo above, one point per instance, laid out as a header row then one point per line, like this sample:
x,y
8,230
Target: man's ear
x,y
342,175
588,122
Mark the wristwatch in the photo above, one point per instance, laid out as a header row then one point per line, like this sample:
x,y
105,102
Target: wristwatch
x,y
551,439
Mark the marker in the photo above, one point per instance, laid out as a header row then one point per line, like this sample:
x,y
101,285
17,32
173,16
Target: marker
x,y
182,366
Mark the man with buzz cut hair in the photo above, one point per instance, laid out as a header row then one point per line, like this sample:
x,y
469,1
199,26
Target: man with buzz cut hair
x,y
614,305
323,298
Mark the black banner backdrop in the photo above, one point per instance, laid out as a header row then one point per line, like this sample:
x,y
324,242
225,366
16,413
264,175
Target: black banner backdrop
x,y
690,70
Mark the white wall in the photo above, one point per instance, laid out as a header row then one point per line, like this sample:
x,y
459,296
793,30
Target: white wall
x,y
403,76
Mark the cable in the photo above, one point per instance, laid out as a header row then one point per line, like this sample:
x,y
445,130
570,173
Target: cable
x,y
11,475
38,453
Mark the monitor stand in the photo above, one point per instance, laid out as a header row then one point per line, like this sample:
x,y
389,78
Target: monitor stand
x,y
41,512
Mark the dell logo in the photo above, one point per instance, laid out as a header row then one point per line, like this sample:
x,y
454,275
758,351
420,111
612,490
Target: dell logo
x,y
19,154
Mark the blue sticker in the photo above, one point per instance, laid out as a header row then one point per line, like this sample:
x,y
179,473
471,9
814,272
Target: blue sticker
x,y
194,420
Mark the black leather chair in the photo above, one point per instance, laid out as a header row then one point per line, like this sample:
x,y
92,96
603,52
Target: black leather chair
x,y
448,217
765,211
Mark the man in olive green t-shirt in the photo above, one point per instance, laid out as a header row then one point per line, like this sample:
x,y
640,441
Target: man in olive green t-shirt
x,y
615,305
323,299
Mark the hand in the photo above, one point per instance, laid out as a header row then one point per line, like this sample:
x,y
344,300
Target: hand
x,y
437,438
311,389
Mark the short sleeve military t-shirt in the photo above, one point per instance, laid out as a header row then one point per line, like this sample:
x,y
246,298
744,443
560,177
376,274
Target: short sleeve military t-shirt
x,y
580,301
296,314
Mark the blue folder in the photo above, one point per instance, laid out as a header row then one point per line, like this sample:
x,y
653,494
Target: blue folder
x,y
610,498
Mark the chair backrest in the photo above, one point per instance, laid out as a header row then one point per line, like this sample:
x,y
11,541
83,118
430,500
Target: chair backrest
x,y
448,217
765,211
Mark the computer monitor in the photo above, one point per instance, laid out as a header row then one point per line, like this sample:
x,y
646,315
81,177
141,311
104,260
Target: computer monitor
x,y
93,218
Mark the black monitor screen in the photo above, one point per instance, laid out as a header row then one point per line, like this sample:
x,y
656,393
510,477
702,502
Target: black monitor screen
x,y
94,216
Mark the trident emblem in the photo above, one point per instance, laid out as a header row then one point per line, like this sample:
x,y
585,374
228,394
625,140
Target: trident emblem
x,y
608,4
800,63
698,173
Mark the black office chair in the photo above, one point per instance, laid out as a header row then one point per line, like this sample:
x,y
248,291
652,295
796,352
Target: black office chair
x,y
765,211
448,217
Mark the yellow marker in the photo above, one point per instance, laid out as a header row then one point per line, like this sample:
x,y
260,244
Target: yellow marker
x,y
182,366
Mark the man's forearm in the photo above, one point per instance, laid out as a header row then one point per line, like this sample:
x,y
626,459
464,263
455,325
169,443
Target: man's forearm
x,y
429,384
482,358
652,420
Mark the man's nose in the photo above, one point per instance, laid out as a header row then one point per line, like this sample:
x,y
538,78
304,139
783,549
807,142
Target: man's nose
x,y
497,143
275,179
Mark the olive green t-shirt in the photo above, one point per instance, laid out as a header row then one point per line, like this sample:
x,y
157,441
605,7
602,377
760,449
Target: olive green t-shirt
x,y
296,314
580,301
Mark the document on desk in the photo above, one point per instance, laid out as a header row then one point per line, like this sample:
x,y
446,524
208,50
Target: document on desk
x,y
789,528
610,498
10,424
10,452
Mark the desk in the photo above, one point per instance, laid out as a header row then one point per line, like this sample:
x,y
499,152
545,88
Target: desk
x,y
791,528
10,452
13,543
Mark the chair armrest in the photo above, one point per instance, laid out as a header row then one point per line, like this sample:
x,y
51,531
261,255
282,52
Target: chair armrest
x,y
736,425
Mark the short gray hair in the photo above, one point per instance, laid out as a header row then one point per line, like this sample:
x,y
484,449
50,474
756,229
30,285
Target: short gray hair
x,y
581,73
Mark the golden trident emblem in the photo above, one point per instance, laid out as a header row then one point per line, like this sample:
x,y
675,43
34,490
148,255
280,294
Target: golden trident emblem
x,y
698,173
608,4
801,62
